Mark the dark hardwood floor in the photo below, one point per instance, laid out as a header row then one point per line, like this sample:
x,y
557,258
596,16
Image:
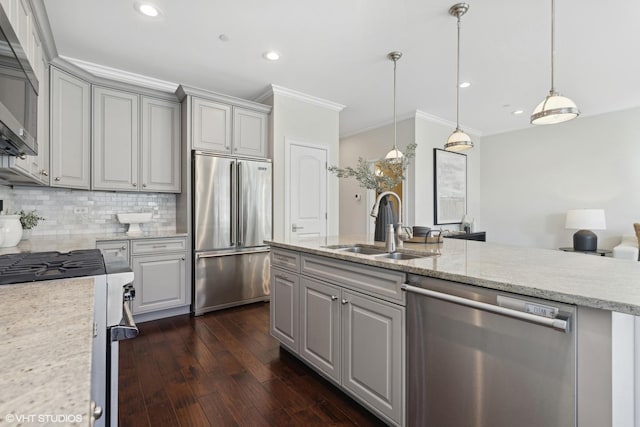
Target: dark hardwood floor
x,y
224,369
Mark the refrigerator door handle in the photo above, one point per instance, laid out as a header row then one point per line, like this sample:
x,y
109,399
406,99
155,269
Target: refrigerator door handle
x,y
221,254
233,204
240,206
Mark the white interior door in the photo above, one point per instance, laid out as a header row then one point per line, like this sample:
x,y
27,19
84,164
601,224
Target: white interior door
x,y
306,193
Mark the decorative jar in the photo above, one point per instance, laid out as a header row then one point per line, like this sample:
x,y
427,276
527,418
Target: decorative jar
x,y
12,229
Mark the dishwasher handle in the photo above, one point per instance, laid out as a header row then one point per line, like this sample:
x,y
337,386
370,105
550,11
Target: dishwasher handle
x,y
554,323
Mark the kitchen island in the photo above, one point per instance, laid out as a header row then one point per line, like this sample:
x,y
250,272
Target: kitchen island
x,y
331,296
46,338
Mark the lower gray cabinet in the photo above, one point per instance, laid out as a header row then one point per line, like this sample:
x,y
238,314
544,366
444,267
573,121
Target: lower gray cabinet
x,y
284,307
160,282
351,336
372,352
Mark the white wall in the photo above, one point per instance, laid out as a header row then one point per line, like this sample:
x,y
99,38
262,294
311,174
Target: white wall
x,y
374,144
370,145
530,178
309,123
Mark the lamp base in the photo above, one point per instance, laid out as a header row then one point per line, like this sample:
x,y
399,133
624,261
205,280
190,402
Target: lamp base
x,y
585,240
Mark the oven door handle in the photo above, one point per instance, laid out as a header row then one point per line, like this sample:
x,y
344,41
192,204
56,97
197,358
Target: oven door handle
x,y
126,330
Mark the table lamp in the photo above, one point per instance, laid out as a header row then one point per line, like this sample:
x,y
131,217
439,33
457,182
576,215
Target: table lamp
x,y
585,220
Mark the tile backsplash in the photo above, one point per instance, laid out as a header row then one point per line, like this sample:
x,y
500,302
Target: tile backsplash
x,y
88,212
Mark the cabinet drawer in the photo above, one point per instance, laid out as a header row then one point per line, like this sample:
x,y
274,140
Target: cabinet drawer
x,y
285,259
115,248
374,281
153,246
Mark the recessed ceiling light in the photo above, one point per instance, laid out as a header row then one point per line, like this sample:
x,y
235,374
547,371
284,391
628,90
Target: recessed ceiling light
x,y
223,38
271,55
517,112
465,84
147,9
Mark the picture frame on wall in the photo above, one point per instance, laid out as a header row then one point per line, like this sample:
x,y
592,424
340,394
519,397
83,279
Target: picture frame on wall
x,y
450,186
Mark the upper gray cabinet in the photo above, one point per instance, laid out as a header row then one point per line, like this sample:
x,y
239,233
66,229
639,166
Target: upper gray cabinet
x,y
224,124
211,123
70,107
160,145
249,132
136,142
115,140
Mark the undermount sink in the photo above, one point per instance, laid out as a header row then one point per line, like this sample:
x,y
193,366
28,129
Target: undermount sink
x,y
401,256
364,250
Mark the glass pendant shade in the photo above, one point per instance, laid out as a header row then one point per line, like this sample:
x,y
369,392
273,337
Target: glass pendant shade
x,y
458,141
394,154
554,109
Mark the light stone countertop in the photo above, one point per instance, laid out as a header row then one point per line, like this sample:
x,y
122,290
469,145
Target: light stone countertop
x,y
46,337
575,278
73,242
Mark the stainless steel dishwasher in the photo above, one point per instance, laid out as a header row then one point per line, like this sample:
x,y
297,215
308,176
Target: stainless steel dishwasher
x,y
478,357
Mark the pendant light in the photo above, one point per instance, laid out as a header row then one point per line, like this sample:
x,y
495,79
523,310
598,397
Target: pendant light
x,y
458,140
394,153
554,108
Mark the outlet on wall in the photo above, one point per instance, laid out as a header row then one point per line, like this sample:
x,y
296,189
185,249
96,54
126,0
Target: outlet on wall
x,y
81,210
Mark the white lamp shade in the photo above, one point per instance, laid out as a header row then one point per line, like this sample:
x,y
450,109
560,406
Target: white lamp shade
x,y
458,141
394,154
585,219
554,109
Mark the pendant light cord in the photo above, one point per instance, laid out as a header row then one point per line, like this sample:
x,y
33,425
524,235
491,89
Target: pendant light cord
x,y
458,80
395,147
553,45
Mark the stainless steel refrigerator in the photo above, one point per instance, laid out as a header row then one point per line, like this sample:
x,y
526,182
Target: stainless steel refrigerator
x,y
231,221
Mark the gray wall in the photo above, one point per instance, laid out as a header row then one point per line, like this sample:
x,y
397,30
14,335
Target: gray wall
x,y
57,207
530,178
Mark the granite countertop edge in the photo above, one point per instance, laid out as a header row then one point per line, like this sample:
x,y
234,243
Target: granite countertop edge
x,y
409,266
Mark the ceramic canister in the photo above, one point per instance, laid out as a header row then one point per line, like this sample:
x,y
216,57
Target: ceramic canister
x,y
11,229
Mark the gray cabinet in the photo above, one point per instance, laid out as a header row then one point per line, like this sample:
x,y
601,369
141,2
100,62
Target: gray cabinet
x,y
136,142
160,153
373,353
211,123
249,132
160,282
115,140
284,307
69,131
347,321
320,326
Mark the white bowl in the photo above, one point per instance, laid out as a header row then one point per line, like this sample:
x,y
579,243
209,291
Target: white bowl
x,y
134,220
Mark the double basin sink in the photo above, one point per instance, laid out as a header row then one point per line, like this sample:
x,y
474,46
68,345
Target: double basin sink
x,y
378,252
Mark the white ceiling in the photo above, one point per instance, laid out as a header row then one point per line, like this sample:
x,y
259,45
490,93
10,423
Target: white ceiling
x,y
336,50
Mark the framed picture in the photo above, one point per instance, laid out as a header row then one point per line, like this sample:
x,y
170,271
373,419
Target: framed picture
x,y
450,186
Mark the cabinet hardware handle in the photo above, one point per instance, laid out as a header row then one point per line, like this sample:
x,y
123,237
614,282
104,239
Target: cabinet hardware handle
x,y
134,184
122,248
144,185
159,246
22,156
44,172
97,411
281,277
344,301
334,297
57,178
182,259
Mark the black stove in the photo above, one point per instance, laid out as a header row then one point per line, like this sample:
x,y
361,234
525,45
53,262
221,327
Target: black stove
x,y
33,267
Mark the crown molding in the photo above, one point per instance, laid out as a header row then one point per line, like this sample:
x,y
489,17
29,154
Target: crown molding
x,y
378,125
290,93
122,76
435,119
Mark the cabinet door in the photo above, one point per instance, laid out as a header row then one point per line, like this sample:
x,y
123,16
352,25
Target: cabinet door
x,y
160,282
160,145
249,132
115,140
22,25
211,126
284,307
373,359
70,136
320,326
